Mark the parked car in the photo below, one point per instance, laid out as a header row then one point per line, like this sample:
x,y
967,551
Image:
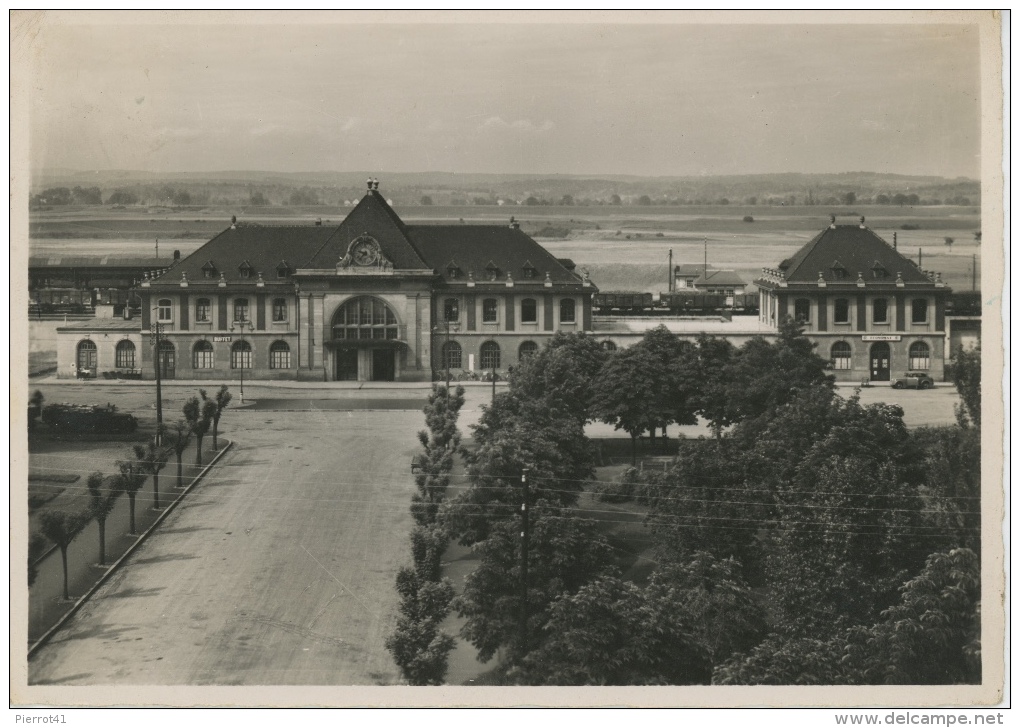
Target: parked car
x,y
914,380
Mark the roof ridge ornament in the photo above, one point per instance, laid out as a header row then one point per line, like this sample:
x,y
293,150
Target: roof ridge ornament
x,y
821,280
863,227
860,280
832,222
223,281
184,279
548,280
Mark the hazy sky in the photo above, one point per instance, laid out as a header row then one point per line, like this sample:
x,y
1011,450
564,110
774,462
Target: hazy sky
x,y
581,99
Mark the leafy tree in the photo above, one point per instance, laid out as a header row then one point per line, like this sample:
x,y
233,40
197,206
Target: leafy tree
x,y
101,503
427,547
967,378
129,480
615,199
122,197
61,528
152,458
932,636
257,199
221,400
177,436
87,196
532,200
426,200
562,374
419,647
512,434
710,369
199,415
565,553
55,196
35,405
849,198
567,200
644,200
952,482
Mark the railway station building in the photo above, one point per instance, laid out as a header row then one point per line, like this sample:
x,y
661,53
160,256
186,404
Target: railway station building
x,y
370,299
870,310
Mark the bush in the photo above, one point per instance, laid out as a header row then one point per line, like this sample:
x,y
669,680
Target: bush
x,y
88,419
748,218
623,489
909,226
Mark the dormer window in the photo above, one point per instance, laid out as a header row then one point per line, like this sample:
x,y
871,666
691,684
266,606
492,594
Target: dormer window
x,y
209,269
839,272
530,271
492,271
245,269
878,271
453,271
283,270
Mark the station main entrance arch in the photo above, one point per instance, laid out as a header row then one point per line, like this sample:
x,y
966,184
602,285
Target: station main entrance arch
x,y
366,341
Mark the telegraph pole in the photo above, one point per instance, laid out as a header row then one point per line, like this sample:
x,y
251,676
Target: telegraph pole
x,y
155,342
525,535
973,272
493,382
669,281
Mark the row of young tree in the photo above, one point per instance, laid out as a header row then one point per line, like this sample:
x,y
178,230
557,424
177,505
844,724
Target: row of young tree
x,y
200,415
811,539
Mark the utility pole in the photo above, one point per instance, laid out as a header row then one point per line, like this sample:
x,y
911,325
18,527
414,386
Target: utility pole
x,y
669,282
705,272
525,536
446,356
155,330
973,272
157,247
494,382
920,257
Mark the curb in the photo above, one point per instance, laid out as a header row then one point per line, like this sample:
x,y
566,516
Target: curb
x,y
48,634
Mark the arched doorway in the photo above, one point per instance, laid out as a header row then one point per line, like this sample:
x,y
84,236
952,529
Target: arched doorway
x,y
88,358
880,362
365,341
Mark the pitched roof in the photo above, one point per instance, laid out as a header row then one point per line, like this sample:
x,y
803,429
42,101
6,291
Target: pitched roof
x,y
714,277
261,245
854,248
474,247
372,216
689,269
97,261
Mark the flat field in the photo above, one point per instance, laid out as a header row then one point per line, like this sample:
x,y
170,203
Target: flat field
x,y
622,247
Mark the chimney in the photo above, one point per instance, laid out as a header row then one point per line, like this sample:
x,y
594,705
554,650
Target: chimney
x,y
318,221
862,222
177,255
832,221
369,183
375,184
894,241
514,225
233,222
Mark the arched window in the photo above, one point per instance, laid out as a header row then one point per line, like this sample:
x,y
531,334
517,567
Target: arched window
x,y
919,355
490,311
802,310
880,311
125,354
203,311
529,311
240,355
490,355
609,346
919,311
88,358
526,349
241,309
279,309
452,355
202,356
567,310
279,355
451,310
840,355
841,311
365,318
164,310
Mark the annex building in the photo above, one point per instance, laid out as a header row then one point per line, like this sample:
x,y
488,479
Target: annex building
x,y
871,311
371,299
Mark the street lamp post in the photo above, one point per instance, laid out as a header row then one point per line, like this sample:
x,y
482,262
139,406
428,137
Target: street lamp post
x,y
240,327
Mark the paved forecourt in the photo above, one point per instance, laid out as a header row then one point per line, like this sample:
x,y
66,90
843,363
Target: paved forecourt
x,y
277,570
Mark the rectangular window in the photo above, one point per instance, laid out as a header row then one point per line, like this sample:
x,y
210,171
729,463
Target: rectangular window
x,y
490,311
802,310
529,311
919,311
567,311
203,311
451,310
279,359
240,309
880,311
279,309
164,310
841,311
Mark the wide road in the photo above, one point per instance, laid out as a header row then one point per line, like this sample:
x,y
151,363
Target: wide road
x,y
277,570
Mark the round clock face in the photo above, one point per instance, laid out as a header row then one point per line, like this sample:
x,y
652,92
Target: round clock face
x,y
365,252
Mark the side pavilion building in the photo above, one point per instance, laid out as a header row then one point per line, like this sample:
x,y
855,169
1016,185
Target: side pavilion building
x,y
871,311
372,299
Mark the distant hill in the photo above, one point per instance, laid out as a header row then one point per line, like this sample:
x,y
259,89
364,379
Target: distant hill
x,y
61,186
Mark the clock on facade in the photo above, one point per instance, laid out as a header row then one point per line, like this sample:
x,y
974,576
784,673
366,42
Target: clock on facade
x,y
365,251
